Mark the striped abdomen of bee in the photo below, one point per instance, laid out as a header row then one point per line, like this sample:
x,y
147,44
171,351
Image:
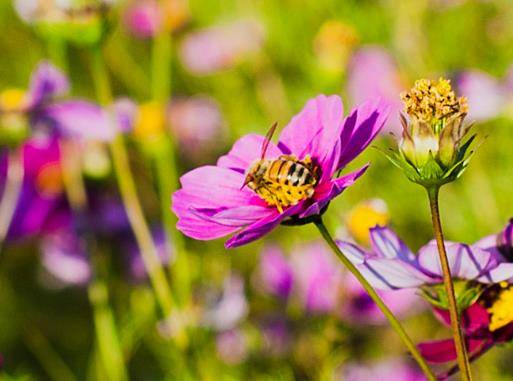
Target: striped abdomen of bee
x,y
284,181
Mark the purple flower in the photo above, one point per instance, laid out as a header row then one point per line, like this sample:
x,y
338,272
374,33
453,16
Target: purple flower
x,y
221,47
485,94
275,272
318,277
213,201
143,18
358,308
489,321
373,73
276,337
390,264
385,370
44,109
41,205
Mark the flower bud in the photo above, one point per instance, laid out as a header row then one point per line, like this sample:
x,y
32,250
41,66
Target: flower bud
x,y
431,149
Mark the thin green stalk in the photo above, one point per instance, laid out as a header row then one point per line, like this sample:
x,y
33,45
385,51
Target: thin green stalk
x,y
459,342
11,193
396,325
106,333
42,349
165,165
129,196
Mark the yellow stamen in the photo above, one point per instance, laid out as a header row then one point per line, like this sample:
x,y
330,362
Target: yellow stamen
x,y
364,216
430,101
12,99
502,310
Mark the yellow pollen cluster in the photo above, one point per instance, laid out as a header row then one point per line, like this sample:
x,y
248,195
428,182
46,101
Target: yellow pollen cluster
x,y
430,101
364,216
502,310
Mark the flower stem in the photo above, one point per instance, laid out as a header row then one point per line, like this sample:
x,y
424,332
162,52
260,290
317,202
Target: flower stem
x,y
129,196
12,189
165,165
106,333
463,361
396,325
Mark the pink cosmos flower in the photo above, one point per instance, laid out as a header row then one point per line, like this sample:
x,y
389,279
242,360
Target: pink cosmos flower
x,y
221,47
385,370
213,202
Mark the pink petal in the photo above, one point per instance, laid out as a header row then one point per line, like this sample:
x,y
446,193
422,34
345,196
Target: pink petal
x,y
361,127
315,130
46,82
387,244
246,151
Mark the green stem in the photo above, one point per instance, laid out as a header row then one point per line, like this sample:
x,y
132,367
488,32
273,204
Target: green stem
x,y
129,196
47,356
165,165
106,333
459,342
396,325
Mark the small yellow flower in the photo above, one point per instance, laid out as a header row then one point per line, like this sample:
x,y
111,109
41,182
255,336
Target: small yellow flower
x,y
12,99
366,215
333,44
150,123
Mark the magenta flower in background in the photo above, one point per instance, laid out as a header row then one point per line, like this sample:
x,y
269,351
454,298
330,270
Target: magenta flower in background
x,y
392,265
318,277
213,203
136,263
232,346
485,94
143,18
221,47
41,204
373,73
385,370
275,273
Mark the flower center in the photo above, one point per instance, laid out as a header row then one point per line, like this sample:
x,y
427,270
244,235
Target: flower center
x,y
501,310
430,101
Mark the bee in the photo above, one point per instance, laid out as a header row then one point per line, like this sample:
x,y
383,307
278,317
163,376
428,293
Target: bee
x,y
284,181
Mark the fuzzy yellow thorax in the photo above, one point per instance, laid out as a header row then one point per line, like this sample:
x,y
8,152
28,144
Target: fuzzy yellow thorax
x,y
430,101
502,310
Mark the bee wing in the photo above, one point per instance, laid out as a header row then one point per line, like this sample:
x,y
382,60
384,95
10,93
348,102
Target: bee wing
x,y
268,138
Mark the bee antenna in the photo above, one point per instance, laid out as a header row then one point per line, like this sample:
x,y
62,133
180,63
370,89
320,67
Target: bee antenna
x,y
268,138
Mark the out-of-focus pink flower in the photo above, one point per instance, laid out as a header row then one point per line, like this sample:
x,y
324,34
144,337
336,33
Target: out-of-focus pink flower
x,y
230,308
65,258
221,47
485,94
232,346
164,251
197,123
213,201
275,273
373,73
145,18
385,370
318,277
